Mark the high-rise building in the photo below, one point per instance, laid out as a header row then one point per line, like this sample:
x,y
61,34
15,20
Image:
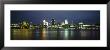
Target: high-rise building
x,y
45,22
53,21
66,21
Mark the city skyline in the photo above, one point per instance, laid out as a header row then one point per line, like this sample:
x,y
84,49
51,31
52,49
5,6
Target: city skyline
x,y
55,25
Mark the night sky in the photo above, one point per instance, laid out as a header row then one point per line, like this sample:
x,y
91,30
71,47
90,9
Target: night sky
x,y
36,17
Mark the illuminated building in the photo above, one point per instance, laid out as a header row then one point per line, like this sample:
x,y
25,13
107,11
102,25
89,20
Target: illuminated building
x,y
66,21
53,21
80,25
24,25
54,24
45,22
63,23
15,26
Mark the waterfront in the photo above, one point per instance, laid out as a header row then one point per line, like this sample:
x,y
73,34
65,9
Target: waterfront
x,y
55,34
55,25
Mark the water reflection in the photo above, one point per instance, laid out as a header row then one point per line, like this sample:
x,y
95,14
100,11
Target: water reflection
x,y
43,34
22,34
54,34
83,34
66,34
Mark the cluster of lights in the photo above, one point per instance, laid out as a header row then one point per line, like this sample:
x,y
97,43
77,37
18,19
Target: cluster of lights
x,y
80,26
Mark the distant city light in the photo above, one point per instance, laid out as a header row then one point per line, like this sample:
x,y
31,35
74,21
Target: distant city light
x,y
55,24
86,25
81,23
63,23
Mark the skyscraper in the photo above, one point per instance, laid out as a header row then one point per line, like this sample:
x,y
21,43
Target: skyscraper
x,y
45,22
53,21
66,21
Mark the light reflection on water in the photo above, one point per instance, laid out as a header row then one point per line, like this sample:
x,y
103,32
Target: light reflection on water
x,y
66,34
56,34
43,33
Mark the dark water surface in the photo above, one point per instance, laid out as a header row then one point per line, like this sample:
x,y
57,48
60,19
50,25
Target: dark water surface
x,y
54,34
